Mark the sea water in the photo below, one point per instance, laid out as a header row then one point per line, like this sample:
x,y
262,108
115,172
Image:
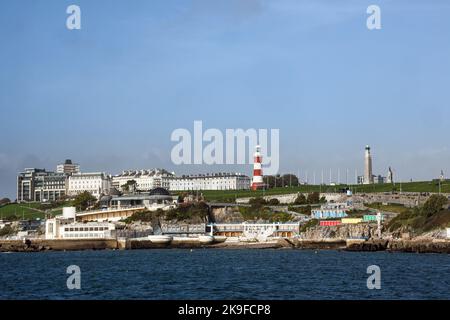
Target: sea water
x,y
223,274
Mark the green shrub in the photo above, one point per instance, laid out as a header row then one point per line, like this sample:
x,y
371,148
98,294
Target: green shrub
x,y
313,198
423,219
303,210
255,213
301,199
274,202
6,231
434,204
310,224
188,211
4,201
84,200
257,202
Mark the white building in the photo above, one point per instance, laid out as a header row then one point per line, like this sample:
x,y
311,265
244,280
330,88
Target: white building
x,y
61,228
96,183
216,181
65,227
379,179
375,180
146,180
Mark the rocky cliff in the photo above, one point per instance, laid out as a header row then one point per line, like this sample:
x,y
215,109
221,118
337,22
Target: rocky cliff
x,y
341,232
412,246
226,215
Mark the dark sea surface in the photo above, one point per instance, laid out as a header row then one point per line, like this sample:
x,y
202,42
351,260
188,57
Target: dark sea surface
x,y
223,274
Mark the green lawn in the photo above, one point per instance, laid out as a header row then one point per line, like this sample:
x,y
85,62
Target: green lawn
x,y
230,195
29,210
25,210
396,208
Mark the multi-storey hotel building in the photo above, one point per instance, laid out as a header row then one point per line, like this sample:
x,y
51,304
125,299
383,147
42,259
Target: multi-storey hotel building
x,y
146,180
215,181
40,185
96,183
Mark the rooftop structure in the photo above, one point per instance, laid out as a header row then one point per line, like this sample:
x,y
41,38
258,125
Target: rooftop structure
x,y
68,167
158,198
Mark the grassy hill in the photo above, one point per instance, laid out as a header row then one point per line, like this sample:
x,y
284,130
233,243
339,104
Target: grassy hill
x,y
423,186
434,214
37,210
27,211
396,208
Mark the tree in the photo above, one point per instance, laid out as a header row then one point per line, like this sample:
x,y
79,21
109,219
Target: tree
x,y
301,199
269,181
434,204
181,198
84,200
4,201
257,202
274,202
313,198
11,217
6,231
285,180
129,186
289,180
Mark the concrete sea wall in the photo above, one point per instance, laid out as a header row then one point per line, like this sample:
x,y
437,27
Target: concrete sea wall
x,y
414,246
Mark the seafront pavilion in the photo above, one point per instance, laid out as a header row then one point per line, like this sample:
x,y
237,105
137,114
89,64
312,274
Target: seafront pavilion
x,y
110,214
254,230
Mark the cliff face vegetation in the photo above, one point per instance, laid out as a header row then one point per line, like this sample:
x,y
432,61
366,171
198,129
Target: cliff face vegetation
x,y
186,212
189,212
257,211
238,215
434,214
198,212
263,214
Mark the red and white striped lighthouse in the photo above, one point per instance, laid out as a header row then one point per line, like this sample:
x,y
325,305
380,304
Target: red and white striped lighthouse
x,y
257,182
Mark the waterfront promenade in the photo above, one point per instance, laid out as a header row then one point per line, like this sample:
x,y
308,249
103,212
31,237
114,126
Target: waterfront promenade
x,y
40,245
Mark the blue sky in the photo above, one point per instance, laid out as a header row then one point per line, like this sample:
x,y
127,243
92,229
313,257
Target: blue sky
x,y
109,95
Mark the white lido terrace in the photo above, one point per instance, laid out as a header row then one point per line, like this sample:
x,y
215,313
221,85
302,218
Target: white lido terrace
x,y
109,214
254,230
